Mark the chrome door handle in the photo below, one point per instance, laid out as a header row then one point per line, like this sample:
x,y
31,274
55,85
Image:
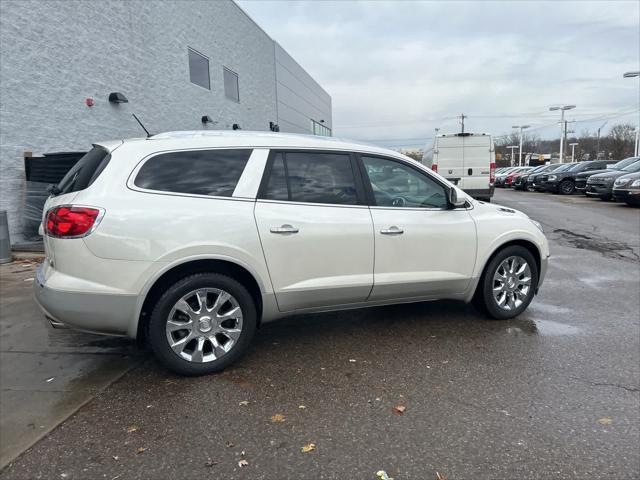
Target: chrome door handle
x,y
286,228
392,231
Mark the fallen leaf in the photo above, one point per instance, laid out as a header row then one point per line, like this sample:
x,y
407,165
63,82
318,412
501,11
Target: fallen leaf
x,y
605,421
439,476
115,457
140,450
50,379
132,428
382,475
243,403
399,409
301,407
277,418
230,444
309,447
243,463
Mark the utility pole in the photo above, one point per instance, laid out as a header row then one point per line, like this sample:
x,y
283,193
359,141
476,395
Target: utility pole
x,y
521,127
573,151
512,147
598,144
636,146
563,127
462,117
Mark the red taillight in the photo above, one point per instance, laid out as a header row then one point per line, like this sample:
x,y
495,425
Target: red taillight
x,y
492,173
69,221
434,167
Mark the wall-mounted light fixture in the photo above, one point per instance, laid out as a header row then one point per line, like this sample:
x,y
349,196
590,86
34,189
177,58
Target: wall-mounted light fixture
x,y
321,121
236,127
117,97
274,127
206,119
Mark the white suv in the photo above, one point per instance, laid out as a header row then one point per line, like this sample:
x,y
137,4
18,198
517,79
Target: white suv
x,y
190,240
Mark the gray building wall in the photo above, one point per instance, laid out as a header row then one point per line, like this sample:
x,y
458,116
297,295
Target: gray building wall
x,y
55,54
300,98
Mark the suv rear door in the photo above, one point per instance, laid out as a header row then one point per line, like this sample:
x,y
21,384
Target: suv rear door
x,y
315,229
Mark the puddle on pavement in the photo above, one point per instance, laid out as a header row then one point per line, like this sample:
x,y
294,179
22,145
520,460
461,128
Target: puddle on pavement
x,y
547,328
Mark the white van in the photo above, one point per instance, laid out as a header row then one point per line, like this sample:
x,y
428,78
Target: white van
x,y
467,160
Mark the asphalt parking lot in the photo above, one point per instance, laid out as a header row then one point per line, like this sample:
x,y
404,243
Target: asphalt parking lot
x,y
552,394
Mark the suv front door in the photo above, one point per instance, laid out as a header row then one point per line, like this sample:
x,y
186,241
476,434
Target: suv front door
x,y
422,248
315,229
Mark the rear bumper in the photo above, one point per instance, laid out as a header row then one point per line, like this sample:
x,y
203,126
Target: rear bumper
x,y
107,314
480,192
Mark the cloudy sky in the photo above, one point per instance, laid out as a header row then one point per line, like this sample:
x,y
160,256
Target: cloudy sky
x,y
397,70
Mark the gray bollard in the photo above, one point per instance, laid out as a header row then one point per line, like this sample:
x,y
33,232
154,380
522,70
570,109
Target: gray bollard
x,y
5,242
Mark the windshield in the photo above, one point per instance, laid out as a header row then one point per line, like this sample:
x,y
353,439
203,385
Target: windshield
x,y
624,163
564,168
634,167
575,167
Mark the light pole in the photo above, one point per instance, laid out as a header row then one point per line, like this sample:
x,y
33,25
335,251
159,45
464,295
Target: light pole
x,y
573,151
598,145
512,147
562,126
521,127
636,145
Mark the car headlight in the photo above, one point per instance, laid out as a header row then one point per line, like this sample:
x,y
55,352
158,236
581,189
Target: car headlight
x,y
537,224
609,180
636,183
552,177
620,182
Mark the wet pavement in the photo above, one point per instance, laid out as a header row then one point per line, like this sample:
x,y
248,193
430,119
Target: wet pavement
x,y
46,374
552,394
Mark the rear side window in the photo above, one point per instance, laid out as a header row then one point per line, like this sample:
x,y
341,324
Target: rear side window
x,y
84,173
202,172
312,178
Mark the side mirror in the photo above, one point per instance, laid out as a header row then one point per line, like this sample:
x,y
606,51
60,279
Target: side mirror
x,y
454,201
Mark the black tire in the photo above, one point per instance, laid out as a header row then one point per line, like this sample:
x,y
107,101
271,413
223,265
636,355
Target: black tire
x,y
160,314
567,187
484,299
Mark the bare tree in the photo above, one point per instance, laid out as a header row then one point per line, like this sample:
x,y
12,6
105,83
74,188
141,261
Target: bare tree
x,y
620,141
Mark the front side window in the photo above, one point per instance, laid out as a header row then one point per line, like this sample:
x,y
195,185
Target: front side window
x,y
231,90
201,172
397,185
312,178
199,69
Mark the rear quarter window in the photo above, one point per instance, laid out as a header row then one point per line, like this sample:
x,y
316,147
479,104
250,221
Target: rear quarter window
x,y
84,173
196,172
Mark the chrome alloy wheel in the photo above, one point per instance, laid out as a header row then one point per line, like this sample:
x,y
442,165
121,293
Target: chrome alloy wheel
x,y
511,283
204,325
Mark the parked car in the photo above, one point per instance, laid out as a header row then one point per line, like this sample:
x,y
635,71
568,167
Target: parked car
x,y
508,181
466,159
541,185
601,184
581,178
533,179
564,181
627,189
501,177
191,240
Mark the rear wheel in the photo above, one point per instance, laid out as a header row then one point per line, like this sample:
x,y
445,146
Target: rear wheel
x,y
202,324
567,187
508,283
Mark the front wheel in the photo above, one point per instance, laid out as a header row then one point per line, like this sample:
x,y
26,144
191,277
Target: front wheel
x,y
567,187
202,324
508,283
